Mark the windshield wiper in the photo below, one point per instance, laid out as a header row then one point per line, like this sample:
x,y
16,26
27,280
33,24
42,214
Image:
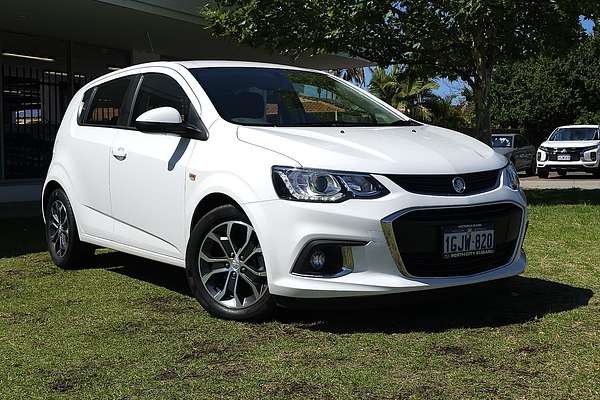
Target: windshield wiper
x,y
402,122
326,124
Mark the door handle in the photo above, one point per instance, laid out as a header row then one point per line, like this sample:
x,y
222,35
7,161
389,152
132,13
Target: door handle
x,y
120,154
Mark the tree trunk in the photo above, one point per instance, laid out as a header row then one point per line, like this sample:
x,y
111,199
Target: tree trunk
x,y
483,103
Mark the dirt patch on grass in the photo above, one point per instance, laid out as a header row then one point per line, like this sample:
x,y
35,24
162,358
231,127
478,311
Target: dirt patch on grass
x,y
21,317
459,355
169,305
74,377
533,350
128,328
168,374
449,350
285,390
30,266
7,289
205,349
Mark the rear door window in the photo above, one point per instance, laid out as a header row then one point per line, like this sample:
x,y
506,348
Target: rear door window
x,y
108,107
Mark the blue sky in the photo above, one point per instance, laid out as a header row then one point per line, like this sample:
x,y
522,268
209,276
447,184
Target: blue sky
x,y
448,87
587,24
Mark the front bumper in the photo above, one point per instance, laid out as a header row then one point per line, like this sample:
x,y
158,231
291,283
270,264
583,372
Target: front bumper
x,y
285,227
584,160
569,165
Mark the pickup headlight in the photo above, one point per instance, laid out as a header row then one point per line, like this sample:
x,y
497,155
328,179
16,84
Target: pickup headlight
x,y
590,148
324,186
511,177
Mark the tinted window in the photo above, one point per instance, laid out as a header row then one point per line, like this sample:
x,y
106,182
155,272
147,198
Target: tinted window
x,y
107,103
158,90
501,141
520,141
287,97
574,134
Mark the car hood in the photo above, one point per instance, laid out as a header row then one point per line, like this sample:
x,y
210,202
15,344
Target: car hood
x,y
503,150
384,150
571,144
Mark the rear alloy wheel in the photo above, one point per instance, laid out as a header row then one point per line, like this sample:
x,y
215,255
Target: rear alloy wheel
x,y
225,266
62,237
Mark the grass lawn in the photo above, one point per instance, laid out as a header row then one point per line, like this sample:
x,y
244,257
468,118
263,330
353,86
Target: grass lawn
x,y
127,328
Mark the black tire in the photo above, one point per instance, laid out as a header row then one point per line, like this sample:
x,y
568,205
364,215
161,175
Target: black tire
x,y
531,171
543,173
223,267
597,173
62,236
562,173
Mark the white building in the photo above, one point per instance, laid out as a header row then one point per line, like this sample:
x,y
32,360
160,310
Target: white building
x,y
51,48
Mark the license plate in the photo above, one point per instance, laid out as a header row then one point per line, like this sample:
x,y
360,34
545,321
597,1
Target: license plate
x,y
564,157
468,240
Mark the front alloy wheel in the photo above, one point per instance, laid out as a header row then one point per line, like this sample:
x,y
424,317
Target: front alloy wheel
x,y
225,266
231,265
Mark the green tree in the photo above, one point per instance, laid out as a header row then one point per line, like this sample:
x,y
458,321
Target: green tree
x,y
451,38
544,92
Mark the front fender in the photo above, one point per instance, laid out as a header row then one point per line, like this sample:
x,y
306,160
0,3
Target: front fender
x,y
228,184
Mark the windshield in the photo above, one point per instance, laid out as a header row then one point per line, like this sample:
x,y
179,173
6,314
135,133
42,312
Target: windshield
x,y
502,141
287,97
574,134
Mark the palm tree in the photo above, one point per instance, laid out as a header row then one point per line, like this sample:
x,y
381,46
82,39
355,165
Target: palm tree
x,y
402,91
451,112
356,75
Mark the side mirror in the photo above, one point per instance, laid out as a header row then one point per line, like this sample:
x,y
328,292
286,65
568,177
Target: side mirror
x,y
168,120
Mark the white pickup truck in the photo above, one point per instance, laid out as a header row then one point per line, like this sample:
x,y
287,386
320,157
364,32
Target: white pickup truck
x,y
570,148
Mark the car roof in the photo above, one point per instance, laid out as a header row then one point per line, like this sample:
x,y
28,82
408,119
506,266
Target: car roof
x,y
578,126
192,65
234,64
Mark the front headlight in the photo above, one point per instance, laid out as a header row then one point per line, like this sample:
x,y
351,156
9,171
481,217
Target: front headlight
x,y
324,186
590,148
511,177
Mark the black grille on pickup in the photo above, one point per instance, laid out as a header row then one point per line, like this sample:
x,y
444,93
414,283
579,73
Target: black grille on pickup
x,y
575,153
441,185
419,236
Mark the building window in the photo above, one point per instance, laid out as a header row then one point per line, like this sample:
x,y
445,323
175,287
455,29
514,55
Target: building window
x,y
36,88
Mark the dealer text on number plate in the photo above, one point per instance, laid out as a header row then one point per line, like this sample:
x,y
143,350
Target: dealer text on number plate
x,y
463,241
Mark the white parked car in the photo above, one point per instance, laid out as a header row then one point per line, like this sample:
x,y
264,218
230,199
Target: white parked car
x,y
570,148
270,182
517,149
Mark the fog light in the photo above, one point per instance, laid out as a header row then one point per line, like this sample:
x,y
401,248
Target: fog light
x,y
317,260
326,258
593,156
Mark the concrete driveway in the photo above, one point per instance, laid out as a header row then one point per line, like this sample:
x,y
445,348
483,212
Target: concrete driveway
x,y
578,180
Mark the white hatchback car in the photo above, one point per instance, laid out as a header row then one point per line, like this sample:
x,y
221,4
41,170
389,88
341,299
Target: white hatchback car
x,y
270,182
